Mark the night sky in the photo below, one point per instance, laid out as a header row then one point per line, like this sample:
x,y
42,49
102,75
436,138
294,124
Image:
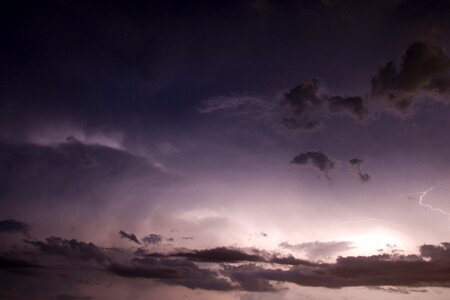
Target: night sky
x,y
254,149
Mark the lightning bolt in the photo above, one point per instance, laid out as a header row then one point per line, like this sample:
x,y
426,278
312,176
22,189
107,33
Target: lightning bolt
x,y
422,196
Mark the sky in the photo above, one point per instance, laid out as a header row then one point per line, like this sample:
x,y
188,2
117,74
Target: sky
x,y
254,149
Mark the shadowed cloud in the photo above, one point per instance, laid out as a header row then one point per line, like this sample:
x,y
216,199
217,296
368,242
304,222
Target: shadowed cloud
x,y
424,67
71,249
317,159
129,236
152,239
13,226
356,164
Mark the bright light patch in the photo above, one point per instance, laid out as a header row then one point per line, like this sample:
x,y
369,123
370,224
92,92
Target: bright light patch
x,y
377,241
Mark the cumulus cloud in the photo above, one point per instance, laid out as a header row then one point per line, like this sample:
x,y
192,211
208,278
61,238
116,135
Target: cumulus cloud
x,y
13,226
130,236
317,159
424,67
356,164
318,250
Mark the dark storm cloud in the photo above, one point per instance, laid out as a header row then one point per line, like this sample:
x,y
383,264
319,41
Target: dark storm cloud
x,y
436,253
317,250
309,96
317,159
243,275
71,249
289,260
310,106
356,164
231,255
220,255
430,268
13,226
130,236
424,68
152,239
172,272
378,270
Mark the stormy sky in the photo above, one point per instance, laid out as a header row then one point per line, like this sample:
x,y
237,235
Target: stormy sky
x,y
254,149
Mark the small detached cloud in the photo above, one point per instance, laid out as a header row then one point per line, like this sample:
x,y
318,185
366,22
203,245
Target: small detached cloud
x,y
152,239
317,159
356,164
129,236
13,226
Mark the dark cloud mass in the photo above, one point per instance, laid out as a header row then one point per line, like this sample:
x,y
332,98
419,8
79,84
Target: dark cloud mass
x,y
172,272
424,68
311,105
316,158
305,96
71,249
242,270
152,239
220,255
436,253
13,226
130,236
17,265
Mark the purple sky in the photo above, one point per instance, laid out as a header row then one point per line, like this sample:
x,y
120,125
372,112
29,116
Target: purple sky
x,y
225,149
